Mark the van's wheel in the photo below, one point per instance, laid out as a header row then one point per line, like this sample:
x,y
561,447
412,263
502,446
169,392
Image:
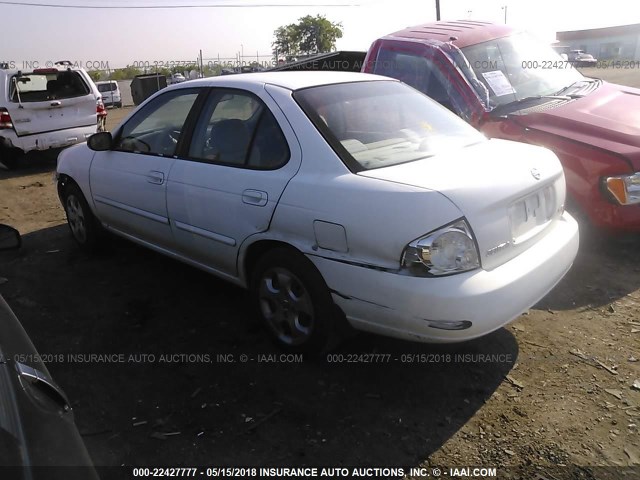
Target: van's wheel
x,y
293,301
84,226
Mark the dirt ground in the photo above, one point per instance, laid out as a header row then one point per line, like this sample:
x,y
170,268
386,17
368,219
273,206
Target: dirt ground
x,y
186,378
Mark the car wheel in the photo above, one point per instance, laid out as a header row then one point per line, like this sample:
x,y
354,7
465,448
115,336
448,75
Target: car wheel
x,y
293,301
84,226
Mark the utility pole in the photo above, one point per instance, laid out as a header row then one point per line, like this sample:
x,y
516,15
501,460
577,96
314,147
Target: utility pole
x,y
437,9
505,14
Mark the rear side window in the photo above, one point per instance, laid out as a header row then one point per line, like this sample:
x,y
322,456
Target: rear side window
x,y
41,87
237,129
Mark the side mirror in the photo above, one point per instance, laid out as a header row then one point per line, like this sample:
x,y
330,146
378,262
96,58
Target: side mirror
x,y
9,238
99,142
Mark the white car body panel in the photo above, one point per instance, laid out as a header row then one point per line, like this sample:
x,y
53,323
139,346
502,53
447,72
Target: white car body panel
x,y
129,192
509,172
353,227
410,308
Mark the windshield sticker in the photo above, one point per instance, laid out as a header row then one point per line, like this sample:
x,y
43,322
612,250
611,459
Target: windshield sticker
x,y
498,83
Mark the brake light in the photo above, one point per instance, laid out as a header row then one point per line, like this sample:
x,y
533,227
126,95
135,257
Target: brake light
x,y
45,70
5,119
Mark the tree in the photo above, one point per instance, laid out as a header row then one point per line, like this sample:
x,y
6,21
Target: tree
x,y
95,75
309,35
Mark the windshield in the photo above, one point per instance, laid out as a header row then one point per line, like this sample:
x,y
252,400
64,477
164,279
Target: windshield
x,y
519,66
382,123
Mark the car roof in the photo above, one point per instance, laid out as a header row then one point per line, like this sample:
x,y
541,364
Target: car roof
x,y
54,69
288,80
466,32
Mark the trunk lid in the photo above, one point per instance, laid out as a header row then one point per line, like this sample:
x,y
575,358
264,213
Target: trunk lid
x,y
509,192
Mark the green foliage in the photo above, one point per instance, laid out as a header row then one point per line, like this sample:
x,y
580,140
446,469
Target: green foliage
x,y
310,35
126,73
95,75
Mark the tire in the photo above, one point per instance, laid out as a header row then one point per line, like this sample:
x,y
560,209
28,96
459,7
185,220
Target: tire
x,y
292,301
84,226
11,158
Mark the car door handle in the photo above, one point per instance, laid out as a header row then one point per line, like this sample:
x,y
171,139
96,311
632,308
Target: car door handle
x,y
155,177
255,197
56,104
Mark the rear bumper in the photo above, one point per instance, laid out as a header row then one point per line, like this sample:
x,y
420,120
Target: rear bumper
x,y
46,140
410,308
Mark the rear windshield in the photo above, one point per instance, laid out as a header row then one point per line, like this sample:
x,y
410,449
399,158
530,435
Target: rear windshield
x,y
40,87
382,123
106,87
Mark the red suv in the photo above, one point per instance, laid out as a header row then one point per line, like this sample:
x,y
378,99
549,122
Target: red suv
x,y
509,85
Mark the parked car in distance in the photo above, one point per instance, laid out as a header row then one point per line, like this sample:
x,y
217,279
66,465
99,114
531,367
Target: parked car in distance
x,y
36,424
511,86
581,59
110,92
47,108
331,194
176,78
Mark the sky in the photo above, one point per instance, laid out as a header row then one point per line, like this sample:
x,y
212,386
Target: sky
x,y
118,37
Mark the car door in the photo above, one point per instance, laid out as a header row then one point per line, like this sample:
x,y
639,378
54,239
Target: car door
x,y
129,182
225,189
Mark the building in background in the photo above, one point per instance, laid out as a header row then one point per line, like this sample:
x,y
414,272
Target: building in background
x,y
622,42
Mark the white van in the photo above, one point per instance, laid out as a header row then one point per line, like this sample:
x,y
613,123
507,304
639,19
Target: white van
x,y
47,108
110,93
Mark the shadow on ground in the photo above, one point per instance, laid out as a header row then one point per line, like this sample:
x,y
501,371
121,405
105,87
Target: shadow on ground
x,y
589,282
32,164
171,388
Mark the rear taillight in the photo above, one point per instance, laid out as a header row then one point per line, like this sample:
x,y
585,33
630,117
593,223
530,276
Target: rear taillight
x,y
5,119
100,110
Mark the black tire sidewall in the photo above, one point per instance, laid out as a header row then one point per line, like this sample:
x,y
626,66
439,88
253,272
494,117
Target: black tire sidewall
x,y
93,229
306,272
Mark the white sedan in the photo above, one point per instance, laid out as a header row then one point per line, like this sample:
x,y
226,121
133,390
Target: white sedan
x,y
330,195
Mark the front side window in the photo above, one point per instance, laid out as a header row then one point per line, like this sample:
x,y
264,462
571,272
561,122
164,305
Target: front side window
x,y
237,129
156,128
383,123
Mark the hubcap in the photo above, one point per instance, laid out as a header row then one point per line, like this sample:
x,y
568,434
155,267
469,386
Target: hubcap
x,y
75,216
286,305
